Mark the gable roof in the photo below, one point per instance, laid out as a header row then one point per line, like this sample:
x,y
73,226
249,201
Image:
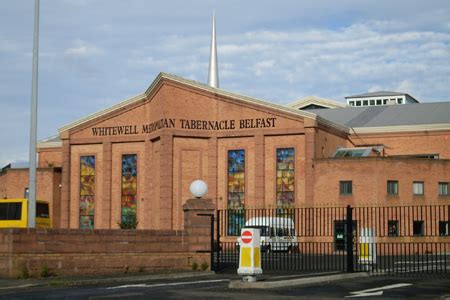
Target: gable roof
x,y
432,115
314,100
50,142
204,87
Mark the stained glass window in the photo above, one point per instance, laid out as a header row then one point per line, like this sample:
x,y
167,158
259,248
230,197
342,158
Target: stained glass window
x,y
87,191
129,188
236,191
285,177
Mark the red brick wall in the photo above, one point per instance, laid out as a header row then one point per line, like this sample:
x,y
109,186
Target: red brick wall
x,y
14,181
83,252
407,143
72,252
49,157
369,176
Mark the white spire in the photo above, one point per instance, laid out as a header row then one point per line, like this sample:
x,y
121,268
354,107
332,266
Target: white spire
x,y
213,75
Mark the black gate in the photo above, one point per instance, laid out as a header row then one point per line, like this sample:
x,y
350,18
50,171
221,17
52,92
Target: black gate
x,y
344,239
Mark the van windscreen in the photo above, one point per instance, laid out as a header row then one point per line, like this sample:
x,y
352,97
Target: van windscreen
x,y
283,232
10,211
42,210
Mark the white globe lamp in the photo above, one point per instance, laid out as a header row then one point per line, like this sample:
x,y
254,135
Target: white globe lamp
x,y
198,188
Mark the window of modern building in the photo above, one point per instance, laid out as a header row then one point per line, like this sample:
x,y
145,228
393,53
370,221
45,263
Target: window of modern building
x,y
358,103
372,102
443,188
365,102
129,189
392,187
418,189
379,102
399,101
236,191
352,152
418,228
443,228
385,101
87,191
285,177
352,103
345,187
392,228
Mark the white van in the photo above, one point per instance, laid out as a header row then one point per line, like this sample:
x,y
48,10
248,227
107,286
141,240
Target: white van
x,y
277,233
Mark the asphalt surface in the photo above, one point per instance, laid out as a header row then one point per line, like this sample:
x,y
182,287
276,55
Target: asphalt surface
x,y
201,286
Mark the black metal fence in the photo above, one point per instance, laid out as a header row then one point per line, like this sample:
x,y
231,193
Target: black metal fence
x,y
379,239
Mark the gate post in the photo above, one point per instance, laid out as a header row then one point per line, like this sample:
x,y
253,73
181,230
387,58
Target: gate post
x,y
349,240
198,229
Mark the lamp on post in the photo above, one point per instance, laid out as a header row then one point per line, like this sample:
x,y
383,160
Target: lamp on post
x,y
198,188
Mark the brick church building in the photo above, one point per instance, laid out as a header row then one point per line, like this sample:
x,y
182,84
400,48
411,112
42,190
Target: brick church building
x,y
140,156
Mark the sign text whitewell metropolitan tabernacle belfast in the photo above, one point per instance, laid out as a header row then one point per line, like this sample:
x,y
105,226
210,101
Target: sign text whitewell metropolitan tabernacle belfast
x,y
185,124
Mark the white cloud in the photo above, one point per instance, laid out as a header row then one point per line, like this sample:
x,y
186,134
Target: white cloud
x,y
147,62
406,86
78,2
7,46
82,48
263,66
233,49
376,88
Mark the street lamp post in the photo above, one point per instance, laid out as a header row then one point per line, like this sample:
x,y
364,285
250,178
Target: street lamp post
x,y
33,123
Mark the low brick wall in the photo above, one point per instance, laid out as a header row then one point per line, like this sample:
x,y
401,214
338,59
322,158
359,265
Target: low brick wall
x,y
106,251
80,252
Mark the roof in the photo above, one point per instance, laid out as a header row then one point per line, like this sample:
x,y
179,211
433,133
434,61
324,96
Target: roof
x,y
382,94
308,100
434,115
16,165
50,142
205,87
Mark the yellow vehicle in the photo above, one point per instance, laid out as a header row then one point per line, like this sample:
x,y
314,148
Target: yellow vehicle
x,y
14,213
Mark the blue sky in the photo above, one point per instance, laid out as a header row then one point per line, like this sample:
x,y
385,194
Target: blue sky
x,y
95,53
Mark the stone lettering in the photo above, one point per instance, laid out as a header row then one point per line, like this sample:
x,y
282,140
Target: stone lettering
x,y
184,124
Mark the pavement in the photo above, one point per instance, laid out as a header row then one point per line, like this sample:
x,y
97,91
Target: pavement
x,y
307,279
8,284
265,281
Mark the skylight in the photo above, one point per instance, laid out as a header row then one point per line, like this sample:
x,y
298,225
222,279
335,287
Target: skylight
x,y
353,152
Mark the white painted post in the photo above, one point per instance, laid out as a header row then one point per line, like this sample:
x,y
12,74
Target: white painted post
x,y
250,254
367,248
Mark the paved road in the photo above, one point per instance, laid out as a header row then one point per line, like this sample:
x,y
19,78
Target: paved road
x,y
379,287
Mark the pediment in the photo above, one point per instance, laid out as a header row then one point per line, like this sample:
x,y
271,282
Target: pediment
x,y
180,104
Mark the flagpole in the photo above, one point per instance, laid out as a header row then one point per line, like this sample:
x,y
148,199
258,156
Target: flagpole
x,y
33,123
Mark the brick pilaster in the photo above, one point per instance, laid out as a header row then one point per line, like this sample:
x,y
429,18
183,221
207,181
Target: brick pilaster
x,y
310,140
212,169
147,209
166,181
259,169
106,201
64,217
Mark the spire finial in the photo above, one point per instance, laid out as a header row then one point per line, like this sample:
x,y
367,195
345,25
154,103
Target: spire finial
x,y
213,75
